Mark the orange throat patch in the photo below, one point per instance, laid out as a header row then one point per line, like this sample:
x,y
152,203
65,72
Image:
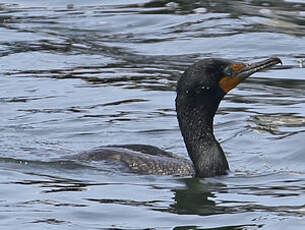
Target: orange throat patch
x,y
228,83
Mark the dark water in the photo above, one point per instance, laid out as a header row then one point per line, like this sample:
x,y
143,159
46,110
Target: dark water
x,y
75,75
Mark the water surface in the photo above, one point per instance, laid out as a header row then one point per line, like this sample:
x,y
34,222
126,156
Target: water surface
x,y
78,75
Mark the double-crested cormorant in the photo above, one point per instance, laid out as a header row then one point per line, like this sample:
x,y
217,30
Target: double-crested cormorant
x,y
199,92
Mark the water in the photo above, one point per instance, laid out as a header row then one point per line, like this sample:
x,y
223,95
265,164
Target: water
x,y
75,75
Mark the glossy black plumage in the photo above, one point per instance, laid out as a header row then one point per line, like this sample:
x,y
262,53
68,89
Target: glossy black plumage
x,y
199,93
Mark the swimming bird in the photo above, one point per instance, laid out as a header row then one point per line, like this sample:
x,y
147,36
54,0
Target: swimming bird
x,y
199,92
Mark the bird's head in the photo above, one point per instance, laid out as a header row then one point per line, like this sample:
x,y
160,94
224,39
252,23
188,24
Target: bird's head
x,y
210,79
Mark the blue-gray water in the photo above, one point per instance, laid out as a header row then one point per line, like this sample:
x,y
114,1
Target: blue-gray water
x,y
75,75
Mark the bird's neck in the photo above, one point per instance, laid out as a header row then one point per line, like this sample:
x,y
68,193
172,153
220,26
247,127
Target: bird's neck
x,y
196,124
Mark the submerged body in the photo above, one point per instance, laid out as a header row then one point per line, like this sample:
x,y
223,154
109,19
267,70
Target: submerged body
x,y
141,159
199,93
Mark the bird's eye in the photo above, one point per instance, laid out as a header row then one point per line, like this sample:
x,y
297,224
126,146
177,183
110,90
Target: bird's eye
x,y
228,72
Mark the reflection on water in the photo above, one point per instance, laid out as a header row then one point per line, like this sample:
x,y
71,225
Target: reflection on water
x,y
74,76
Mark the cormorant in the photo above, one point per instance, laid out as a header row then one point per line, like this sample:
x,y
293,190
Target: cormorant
x,y
199,92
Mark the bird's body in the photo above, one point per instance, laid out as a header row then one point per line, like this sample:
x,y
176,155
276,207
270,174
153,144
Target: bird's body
x,y
199,93
141,159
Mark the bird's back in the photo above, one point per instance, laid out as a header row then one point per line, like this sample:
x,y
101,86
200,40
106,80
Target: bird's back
x,y
140,159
